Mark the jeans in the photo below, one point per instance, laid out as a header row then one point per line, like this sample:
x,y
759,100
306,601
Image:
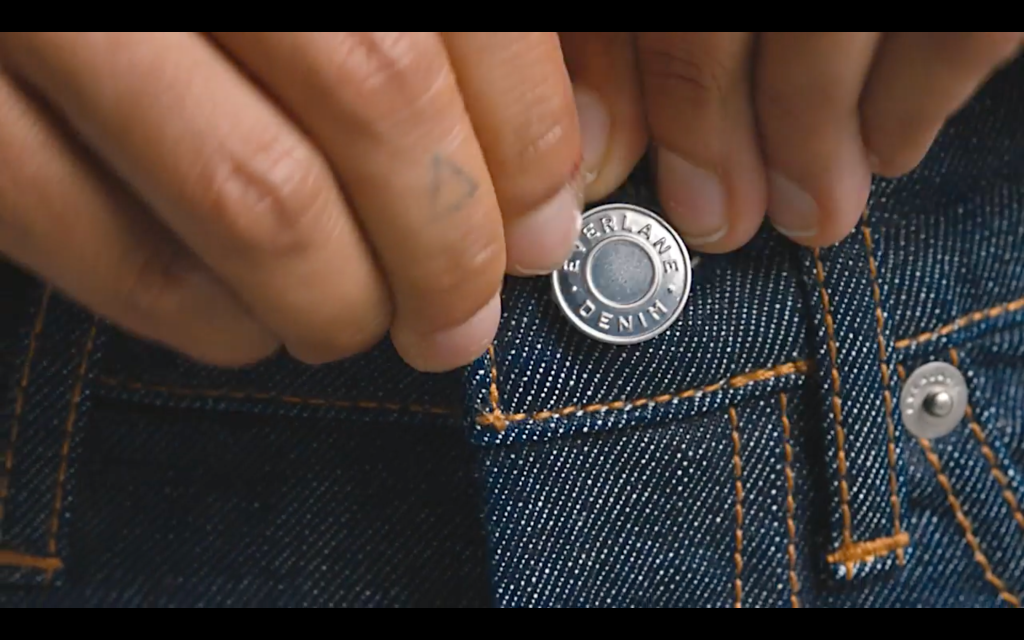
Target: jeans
x,y
754,455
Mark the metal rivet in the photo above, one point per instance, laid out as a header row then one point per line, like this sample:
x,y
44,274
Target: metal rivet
x,y
628,277
938,404
933,400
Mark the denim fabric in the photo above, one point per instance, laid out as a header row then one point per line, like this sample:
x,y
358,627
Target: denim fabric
x,y
752,455
155,481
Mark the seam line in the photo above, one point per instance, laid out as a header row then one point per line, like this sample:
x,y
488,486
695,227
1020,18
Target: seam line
x,y
15,560
883,365
869,550
495,415
962,322
787,447
990,456
968,528
837,409
108,381
19,403
737,469
497,418
958,514
735,382
69,427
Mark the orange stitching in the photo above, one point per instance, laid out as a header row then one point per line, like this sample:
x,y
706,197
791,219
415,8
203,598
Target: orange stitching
x,y
894,496
76,397
19,400
837,408
735,382
867,551
497,418
22,561
737,469
962,322
958,514
850,553
990,456
965,524
246,395
794,582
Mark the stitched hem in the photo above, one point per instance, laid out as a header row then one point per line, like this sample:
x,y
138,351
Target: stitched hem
x,y
23,561
499,420
860,552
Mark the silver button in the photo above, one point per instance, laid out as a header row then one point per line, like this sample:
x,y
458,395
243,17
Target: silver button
x,y
933,400
628,278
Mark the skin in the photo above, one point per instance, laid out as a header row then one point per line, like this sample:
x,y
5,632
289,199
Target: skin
x,y
792,124
239,192
232,194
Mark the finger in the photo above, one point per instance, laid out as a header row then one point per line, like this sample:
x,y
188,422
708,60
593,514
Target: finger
x,y
520,101
226,171
710,175
66,221
386,110
807,87
606,84
918,80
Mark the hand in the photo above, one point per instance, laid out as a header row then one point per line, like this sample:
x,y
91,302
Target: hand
x,y
791,123
229,193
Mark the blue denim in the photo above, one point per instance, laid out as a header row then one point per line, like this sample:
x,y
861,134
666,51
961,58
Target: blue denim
x,y
753,455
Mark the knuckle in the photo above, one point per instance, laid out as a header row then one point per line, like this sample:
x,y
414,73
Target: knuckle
x,y
546,131
543,126
691,68
537,154
270,200
781,105
382,79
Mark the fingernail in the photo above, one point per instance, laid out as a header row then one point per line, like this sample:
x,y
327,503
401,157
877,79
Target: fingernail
x,y
595,127
792,211
539,242
694,198
456,347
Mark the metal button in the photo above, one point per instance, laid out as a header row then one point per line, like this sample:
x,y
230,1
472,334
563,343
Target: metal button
x,y
628,278
934,400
